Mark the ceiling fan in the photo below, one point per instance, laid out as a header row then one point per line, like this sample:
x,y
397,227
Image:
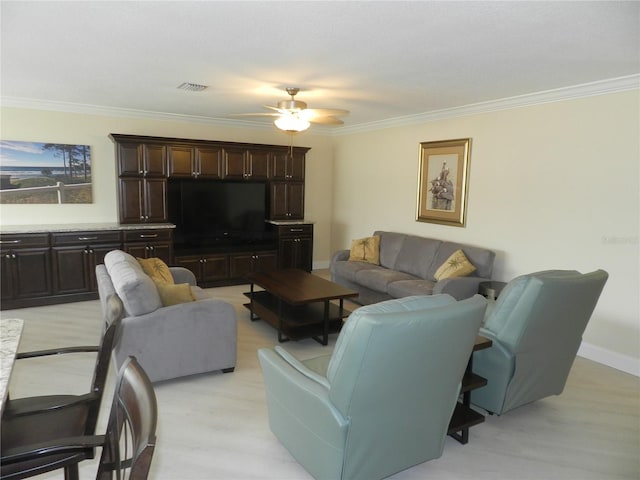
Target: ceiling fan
x,y
293,116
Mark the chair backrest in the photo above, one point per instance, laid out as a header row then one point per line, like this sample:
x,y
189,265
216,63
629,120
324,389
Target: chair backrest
x,y
546,310
540,319
130,437
103,360
395,373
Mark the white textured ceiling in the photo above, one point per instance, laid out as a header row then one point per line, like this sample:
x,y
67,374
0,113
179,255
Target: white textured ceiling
x,y
380,60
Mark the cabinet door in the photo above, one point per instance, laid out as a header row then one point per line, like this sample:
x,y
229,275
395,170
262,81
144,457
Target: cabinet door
x,y
209,162
287,254
130,159
296,167
32,273
131,200
287,201
240,265
155,200
265,262
154,160
304,254
295,201
233,161
285,167
215,267
181,161
71,269
278,204
257,164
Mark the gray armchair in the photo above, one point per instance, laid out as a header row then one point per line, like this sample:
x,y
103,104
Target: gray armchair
x,y
382,401
536,326
169,341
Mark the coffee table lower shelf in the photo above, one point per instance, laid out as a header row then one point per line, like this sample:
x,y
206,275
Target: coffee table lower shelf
x,y
295,322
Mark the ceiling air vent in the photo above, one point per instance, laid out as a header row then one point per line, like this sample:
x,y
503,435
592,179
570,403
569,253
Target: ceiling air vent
x,y
192,87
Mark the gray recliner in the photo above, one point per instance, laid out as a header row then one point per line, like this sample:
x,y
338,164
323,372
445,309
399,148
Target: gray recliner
x,y
382,401
536,327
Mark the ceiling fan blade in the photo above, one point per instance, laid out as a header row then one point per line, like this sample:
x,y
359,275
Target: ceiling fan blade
x,y
333,112
326,121
254,115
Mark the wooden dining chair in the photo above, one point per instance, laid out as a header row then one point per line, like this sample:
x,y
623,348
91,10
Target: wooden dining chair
x,y
34,420
129,441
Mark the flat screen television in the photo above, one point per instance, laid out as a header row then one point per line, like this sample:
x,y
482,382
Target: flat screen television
x,y
212,213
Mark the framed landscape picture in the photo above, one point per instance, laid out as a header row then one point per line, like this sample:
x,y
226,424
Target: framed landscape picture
x,y
32,172
442,182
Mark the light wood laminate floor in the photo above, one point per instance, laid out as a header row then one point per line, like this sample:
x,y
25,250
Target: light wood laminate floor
x,y
214,426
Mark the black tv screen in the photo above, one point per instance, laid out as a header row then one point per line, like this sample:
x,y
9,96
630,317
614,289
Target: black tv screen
x,y
210,213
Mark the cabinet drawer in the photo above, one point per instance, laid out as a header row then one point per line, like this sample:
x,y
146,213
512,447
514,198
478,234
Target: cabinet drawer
x,y
295,230
84,238
24,240
147,235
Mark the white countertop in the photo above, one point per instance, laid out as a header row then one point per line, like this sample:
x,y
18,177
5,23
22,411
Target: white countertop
x,y
78,227
10,333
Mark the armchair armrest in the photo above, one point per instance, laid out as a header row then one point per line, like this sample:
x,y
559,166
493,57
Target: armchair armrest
x,y
182,275
57,351
459,287
69,445
303,369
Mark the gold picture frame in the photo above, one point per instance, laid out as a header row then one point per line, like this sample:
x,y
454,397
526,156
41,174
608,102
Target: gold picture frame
x,y
443,177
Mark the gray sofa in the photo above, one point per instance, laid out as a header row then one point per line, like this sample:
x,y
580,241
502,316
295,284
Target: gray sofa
x,y
407,267
173,341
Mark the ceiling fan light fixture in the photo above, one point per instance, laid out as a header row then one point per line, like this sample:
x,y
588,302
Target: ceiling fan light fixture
x,y
291,123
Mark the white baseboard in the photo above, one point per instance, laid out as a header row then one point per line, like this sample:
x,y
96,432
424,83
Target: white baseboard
x,y
611,359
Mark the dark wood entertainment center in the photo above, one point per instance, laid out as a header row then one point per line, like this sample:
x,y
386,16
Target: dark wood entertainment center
x,y
45,266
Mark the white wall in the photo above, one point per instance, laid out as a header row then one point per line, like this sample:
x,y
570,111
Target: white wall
x,y
551,186
72,128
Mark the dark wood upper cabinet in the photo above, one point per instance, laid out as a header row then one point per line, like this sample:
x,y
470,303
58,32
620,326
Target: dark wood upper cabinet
x,y
194,162
287,167
136,159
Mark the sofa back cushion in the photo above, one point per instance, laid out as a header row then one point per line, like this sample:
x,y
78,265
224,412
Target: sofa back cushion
x,y
137,291
416,255
481,258
390,246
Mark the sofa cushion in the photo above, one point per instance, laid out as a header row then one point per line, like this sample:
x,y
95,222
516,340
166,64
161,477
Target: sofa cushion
x,y
156,269
173,294
378,278
349,270
365,250
416,255
481,258
390,246
457,265
137,291
404,288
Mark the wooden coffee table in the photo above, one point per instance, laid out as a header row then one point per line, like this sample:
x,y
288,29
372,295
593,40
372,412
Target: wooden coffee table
x,y
298,304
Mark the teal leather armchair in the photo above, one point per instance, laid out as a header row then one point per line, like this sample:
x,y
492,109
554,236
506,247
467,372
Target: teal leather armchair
x,y
382,401
536,327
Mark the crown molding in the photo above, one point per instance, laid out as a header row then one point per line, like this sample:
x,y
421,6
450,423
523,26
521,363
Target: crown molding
x,y
603,87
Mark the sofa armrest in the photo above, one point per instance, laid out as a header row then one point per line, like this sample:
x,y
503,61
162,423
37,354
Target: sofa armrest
x,y
182,275
459,287
340,256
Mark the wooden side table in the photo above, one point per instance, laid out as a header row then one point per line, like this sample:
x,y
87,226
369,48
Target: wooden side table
x,y
491,289
464,417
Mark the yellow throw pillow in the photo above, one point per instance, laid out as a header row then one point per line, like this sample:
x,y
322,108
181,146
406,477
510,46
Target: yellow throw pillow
x,y
156,269
366,250
173,294
457,265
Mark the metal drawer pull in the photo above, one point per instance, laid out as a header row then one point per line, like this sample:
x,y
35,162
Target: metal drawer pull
x,y
87,238
296,230
148,235
6,242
